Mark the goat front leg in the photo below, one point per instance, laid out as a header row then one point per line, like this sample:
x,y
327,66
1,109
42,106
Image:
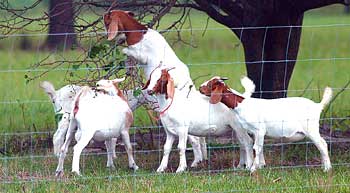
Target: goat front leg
x,y
245,146
110,152
64,148
167,148
196,146
78,148
258,147
183,132
128,149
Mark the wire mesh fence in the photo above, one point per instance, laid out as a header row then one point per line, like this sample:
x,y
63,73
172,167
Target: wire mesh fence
x,y
28,124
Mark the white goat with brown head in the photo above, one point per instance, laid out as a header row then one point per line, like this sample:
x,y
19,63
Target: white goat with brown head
x,y
292,118
185,111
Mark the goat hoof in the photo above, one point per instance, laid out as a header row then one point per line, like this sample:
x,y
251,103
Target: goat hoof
x,y
134,167
195,164
77,173
111,166
327,169
180,170
59,174
160,170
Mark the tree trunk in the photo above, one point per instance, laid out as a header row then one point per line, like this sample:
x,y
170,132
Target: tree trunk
x,y
271,53
61,26
270,32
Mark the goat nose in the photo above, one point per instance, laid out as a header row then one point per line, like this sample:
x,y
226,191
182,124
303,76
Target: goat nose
x,y
150,92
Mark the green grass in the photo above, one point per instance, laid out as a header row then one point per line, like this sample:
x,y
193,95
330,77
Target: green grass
x,y
30,174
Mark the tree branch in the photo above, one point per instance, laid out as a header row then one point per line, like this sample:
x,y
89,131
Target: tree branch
x,y
302,5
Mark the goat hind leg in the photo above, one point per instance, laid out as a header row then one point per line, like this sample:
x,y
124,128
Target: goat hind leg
x,y
196,146
78,148
128,149
110,152
323,148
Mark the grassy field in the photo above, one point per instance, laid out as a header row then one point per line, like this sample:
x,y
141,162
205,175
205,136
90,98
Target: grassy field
x,y
323,60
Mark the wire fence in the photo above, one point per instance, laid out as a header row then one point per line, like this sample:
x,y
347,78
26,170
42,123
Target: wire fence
x,y
26,151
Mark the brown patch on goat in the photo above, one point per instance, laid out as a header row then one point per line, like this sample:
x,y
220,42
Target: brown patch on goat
x,y
118,20
129,119
218,91
82,93
165,85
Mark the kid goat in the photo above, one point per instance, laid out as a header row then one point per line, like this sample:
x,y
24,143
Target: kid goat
x,y
101,117
186,111
291,118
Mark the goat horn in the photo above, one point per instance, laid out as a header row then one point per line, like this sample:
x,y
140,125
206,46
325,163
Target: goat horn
x,y
119,79
170,69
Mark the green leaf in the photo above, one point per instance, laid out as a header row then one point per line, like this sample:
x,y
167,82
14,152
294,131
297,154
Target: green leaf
x,y
58,117
137,92
75,66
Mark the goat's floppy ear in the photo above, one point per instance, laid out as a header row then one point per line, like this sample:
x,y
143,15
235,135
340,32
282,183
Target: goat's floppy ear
x,y
113,28
216,95
49,89
170,88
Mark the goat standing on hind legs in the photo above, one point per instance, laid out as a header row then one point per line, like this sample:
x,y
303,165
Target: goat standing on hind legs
x,y
151,50
290,118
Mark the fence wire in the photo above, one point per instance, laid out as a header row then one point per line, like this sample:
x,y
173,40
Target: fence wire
x,y
26,153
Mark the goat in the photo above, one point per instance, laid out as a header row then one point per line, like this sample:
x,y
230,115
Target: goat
x,y
186,111
149,48
100,117
199,147
62,100
290,118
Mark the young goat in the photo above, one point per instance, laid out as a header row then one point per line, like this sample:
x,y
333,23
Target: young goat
x,y
62,100
186,111
100,117
290,118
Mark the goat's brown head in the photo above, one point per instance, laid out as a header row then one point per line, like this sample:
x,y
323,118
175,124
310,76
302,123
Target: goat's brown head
x,y
118,20
164,85
214,88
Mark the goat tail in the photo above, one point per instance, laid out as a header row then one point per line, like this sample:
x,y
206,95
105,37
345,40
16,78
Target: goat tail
x,y
82,92
248,85
327,96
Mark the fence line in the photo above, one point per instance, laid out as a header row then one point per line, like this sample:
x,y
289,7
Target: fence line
x,y
183,29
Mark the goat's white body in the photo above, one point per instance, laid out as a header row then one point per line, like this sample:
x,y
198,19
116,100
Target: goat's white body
x,y
100,117
289,118
285,117
104,112
191,113
153,50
